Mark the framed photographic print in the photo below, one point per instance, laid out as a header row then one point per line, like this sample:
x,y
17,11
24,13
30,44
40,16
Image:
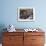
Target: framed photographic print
x,y
26,14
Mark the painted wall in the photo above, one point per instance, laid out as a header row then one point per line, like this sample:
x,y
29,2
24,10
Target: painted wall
x,y
8,13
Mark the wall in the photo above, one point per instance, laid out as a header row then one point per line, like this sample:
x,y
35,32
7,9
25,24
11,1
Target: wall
x,y
9,13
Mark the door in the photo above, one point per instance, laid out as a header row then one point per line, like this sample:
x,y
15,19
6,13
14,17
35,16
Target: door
x,y
13,40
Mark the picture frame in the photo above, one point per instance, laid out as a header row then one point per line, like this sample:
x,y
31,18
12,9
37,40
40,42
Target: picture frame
x,y
26,14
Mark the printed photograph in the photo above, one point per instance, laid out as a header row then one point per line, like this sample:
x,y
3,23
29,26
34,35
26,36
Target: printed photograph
x,y
26,14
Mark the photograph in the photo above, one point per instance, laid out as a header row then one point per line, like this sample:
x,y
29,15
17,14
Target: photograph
x,y
26,14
